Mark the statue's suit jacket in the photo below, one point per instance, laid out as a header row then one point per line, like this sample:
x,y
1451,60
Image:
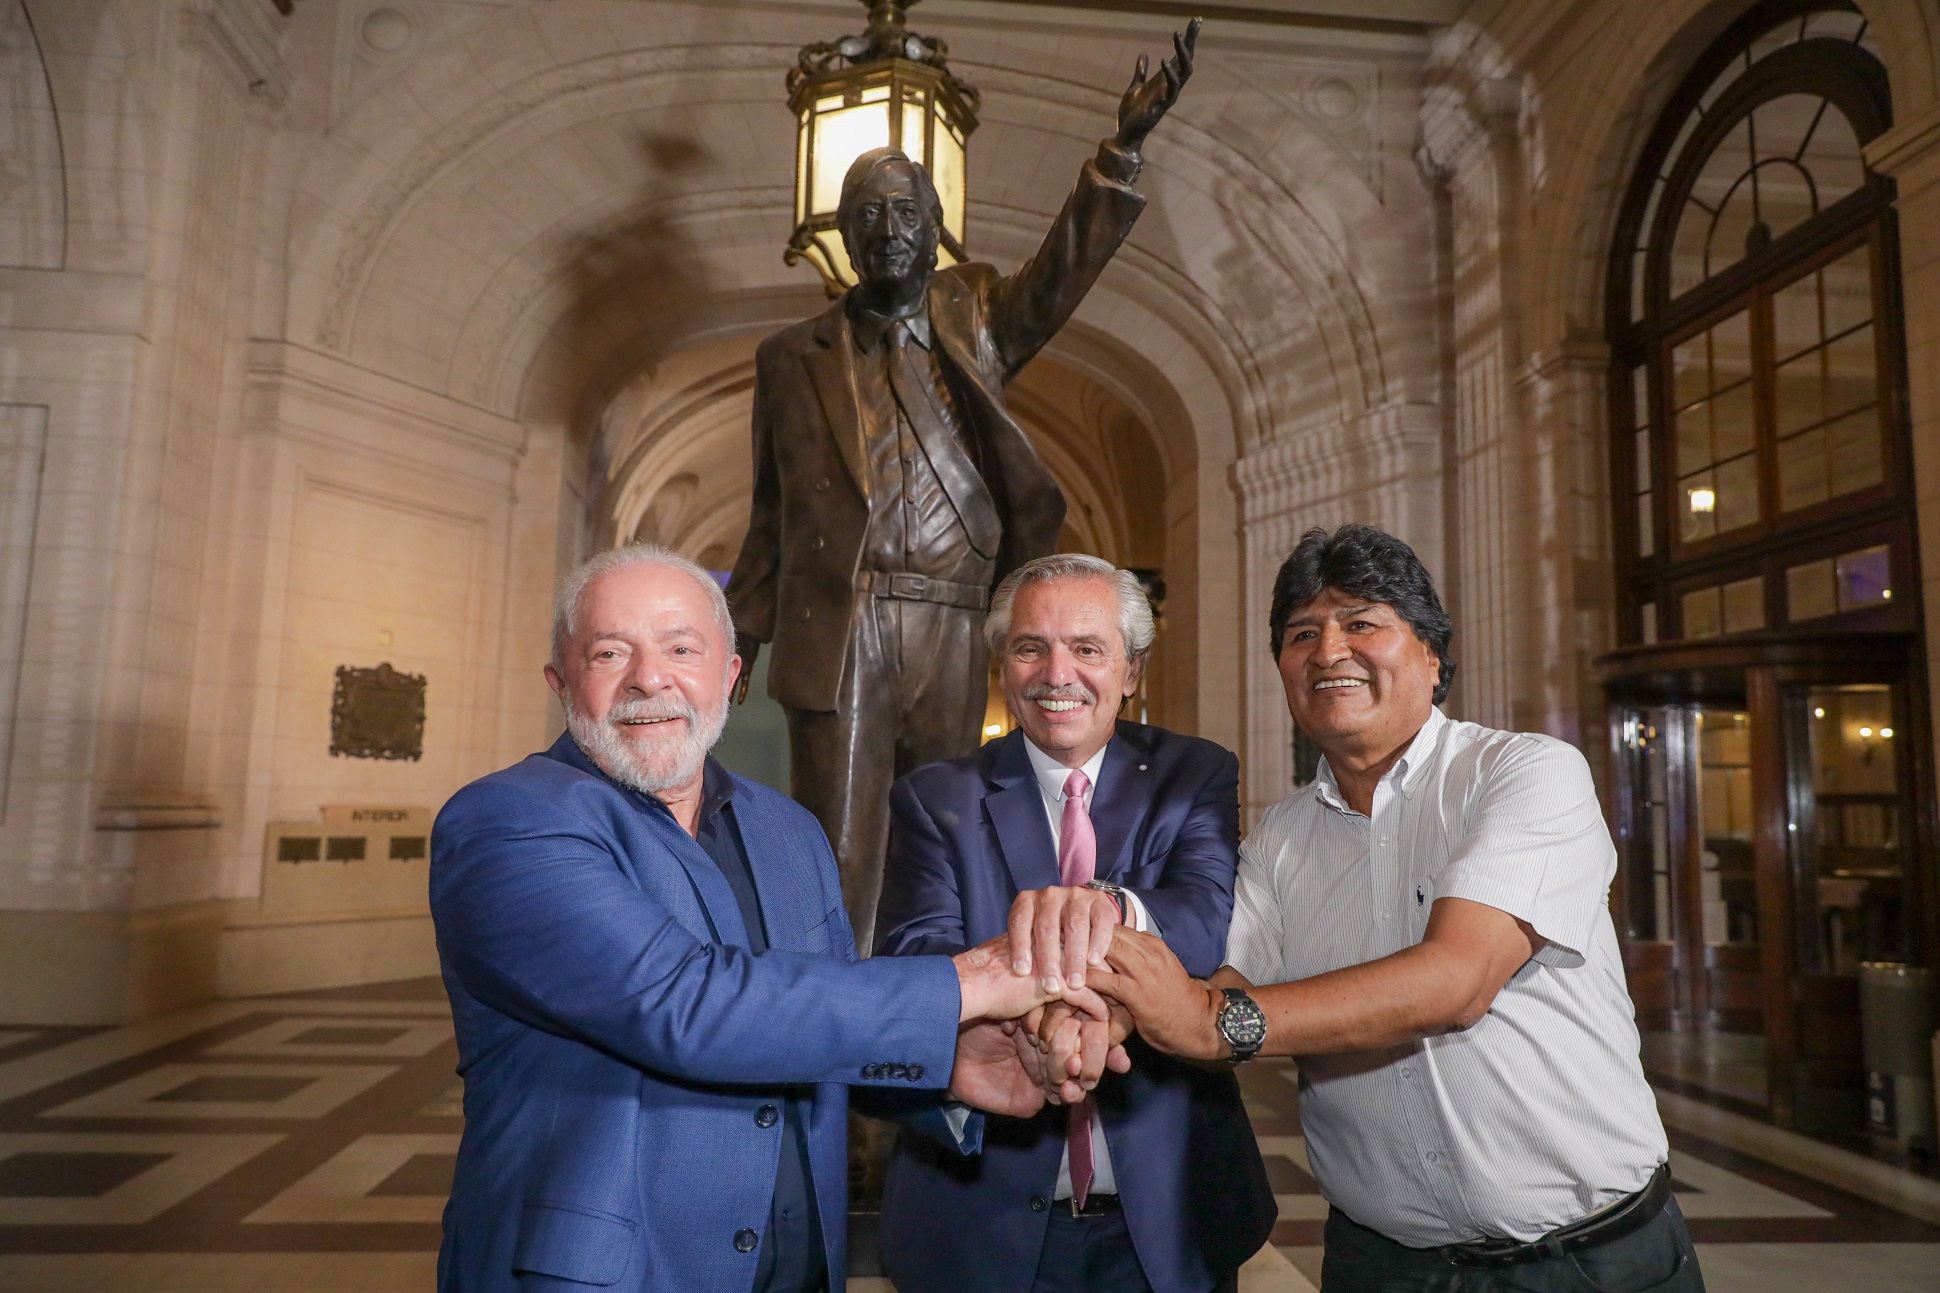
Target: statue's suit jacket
x,y
794,582
968,836
623,1052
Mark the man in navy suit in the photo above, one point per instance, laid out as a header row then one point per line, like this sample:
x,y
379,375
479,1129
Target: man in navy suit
x,y
658,1002
1058,832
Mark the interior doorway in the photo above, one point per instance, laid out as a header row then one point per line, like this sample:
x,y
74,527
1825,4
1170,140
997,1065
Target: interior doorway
x,y
1767,812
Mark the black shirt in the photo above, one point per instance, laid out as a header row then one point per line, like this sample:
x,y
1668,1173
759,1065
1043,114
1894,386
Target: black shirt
x,y
792,1257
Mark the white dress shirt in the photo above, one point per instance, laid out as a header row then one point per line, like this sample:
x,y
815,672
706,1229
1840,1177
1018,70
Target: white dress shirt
x,y
1051,776
1539,1114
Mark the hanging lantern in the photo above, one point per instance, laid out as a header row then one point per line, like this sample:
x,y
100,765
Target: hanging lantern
x,y
886,87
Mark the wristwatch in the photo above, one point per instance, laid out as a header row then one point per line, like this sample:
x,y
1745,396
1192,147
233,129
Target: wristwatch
x,y
1243,1024
1117,895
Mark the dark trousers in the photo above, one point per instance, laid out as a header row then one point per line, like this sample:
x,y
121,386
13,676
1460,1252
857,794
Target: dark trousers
x,y
1657,1258
914,689
1094,1255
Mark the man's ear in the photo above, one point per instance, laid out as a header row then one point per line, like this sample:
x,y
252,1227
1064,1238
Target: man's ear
x,y
556,681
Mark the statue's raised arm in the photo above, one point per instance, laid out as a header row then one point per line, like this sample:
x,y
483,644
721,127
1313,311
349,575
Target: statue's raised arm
x,y
1028,308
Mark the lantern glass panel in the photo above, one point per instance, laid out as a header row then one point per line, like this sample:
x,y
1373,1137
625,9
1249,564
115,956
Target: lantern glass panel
x,y
842,136
913,132
946,171
801,171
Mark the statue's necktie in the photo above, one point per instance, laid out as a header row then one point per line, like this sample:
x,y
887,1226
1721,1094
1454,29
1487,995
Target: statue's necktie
x,y
1078,864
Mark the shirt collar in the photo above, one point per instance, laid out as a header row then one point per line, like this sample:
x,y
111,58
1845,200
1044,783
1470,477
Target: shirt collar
x,y
1051,775
717,790
1403,776
868,327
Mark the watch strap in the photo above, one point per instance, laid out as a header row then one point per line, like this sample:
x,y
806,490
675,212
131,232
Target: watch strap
x,y
1117,895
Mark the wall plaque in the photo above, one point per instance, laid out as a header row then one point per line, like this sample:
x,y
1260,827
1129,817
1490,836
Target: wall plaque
x,y
377,714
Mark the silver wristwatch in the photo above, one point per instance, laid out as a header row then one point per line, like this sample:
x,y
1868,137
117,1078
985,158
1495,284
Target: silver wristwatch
x,y
1243,1024
1117,895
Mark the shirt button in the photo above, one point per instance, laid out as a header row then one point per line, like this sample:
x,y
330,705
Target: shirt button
x,y
1039,1203
1432,1156
815,544
806,612
1407,1074
767,1116
745,1240
822,485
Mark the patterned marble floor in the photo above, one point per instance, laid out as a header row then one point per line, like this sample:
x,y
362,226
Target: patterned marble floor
x,y
305,1144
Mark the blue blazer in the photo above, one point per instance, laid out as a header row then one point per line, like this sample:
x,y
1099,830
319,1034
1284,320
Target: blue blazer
x,y
965,838
622,1051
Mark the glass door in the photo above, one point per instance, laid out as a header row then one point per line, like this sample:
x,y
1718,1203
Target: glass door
x,y
1691,898
1850,827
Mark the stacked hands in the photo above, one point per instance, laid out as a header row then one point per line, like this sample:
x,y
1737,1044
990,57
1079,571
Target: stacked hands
x,y
1048,1005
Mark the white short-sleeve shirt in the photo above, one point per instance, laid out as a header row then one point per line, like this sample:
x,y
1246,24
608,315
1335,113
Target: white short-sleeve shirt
x,y
1539,1114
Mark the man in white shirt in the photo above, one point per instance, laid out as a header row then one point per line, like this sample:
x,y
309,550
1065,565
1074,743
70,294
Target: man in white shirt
x,y
1149,1177
1429,926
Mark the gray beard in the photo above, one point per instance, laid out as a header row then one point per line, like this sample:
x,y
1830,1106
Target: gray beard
x,y
657,765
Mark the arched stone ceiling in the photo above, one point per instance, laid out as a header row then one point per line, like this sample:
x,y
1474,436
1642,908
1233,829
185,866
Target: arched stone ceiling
x,y
545,201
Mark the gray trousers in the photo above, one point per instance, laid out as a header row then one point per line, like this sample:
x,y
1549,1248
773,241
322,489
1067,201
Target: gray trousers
x,y
1657,1258
914,688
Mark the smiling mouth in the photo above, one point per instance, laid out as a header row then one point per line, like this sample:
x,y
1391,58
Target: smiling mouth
x,y
650,722
1053,706
1338,684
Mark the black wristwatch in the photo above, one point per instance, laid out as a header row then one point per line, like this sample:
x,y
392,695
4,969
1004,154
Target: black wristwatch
x,y
1243,1024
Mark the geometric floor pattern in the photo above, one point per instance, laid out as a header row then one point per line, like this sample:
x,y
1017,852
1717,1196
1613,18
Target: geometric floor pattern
x,y
207,1151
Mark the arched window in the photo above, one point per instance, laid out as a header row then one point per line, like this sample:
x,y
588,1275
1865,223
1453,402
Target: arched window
x,y
1760,460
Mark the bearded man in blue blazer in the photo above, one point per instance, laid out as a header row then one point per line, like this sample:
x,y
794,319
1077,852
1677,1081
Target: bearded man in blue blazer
x,y
1071,825
658,1002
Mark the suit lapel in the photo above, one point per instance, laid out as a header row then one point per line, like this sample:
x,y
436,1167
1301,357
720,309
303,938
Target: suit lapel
x,y
1016,810
779,875
1118,809
831,368
718,908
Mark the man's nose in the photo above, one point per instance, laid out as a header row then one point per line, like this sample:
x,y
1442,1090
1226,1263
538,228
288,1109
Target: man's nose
x,y
647,674
1333,646
1060,667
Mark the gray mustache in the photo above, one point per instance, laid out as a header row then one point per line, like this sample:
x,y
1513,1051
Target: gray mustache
x,y
1071,691
628,710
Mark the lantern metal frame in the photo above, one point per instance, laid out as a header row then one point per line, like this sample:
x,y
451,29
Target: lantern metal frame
x,y
922,104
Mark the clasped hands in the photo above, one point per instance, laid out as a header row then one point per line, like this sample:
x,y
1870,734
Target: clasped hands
x,y
1035,1026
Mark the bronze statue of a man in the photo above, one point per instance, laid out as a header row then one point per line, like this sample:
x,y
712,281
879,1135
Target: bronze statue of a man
x,y
893,490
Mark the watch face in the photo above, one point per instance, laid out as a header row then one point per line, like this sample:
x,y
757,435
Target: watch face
x,y
1242,1023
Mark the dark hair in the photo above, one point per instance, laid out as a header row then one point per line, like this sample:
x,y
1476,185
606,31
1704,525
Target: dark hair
x,y
1370,564
867,165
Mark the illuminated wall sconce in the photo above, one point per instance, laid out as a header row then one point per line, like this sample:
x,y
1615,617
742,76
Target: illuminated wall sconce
x,y
1704,500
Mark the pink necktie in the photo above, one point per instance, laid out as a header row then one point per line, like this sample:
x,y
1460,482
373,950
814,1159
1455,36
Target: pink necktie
x,y
1078,864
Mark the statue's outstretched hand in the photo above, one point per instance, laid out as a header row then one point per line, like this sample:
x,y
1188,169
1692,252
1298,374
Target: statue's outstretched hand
x,y
1148,98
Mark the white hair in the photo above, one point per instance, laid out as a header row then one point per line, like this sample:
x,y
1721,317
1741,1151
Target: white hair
x,y
1135,623
572,590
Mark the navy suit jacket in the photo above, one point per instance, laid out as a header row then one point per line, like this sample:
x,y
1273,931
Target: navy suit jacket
x,y
966,837
624,1053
